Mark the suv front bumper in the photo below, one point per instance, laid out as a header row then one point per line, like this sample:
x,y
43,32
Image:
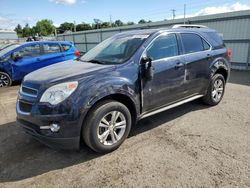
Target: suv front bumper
x,y
53,142
67,137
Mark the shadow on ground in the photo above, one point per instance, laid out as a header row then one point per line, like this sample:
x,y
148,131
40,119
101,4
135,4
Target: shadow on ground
x,y
240,77
22,156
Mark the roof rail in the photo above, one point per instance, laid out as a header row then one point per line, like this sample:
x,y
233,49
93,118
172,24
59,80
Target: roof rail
x,y
188,26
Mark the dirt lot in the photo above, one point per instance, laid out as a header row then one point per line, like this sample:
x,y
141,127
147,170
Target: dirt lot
x,y
189,146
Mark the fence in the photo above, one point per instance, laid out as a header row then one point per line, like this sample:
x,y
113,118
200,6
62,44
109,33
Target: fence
x,y
235,27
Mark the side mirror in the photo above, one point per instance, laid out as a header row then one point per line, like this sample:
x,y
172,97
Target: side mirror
x,y
16,56
148,69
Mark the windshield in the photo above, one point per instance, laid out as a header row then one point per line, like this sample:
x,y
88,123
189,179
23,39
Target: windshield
x,y
6,50
114,50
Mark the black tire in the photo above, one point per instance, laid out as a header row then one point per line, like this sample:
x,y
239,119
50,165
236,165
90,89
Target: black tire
x,y
209,98
5,80
91,128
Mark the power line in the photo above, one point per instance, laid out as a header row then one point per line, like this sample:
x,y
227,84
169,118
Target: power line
x,y
192,6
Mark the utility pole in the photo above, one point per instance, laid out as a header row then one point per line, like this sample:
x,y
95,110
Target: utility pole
x,y
74,26
184,13
110,20
173,11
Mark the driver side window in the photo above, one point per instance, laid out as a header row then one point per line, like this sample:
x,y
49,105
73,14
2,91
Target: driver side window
x,y
28,51
163,47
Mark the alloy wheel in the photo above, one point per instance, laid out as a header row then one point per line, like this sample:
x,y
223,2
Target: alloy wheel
x,y
218,89
4,80
111,128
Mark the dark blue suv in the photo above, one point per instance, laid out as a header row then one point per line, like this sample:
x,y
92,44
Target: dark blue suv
x,y
17,60
127,77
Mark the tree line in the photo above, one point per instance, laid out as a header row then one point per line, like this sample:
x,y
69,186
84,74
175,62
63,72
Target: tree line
x,y
46,28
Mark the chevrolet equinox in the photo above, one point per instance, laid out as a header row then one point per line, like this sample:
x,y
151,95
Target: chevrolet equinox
x,y
132,75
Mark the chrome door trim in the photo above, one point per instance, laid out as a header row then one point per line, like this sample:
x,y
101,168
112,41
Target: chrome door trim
x,y
171,106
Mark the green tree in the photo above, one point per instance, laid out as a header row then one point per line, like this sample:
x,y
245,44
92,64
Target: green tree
x,y
130,23
19,30
105,24
83,27
44,27
142,21
66,26
119,23
27,31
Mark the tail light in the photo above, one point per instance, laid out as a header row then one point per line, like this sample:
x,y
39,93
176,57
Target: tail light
x,y
77,53
228,54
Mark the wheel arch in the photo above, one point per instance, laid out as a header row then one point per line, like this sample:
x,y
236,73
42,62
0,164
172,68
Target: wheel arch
x,y
223,72
119,97
122,98
221,66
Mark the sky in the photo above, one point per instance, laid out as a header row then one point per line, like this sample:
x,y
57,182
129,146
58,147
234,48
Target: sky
x,y
13,12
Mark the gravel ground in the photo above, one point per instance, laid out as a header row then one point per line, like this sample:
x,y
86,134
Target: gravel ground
x,y
189,146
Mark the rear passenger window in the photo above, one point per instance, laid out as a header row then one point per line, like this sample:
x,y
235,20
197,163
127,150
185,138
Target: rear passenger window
x,y
65,47
192,43
205,45
215,39
163,47
51,48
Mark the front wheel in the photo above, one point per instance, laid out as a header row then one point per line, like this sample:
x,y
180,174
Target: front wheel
x,y
215,91
107,126
5,80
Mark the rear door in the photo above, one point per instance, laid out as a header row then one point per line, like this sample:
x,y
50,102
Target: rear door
x,y
167,84
51,54
197,56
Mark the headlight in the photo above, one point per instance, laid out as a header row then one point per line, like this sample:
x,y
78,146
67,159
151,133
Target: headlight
x,y
58,93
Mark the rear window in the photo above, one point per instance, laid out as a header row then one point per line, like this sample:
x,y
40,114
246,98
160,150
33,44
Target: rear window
x,y
192,43
215,39
51,48
65,47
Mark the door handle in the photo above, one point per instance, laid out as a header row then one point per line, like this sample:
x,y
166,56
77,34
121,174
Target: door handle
x,y
179,65
209,56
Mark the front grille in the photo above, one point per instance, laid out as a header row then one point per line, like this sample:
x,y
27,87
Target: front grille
x,y
25,107
29,91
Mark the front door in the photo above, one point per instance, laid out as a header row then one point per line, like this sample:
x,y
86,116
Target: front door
x,y
167,85
26,60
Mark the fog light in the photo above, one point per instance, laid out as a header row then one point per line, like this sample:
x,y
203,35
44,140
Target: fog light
x,y
53,127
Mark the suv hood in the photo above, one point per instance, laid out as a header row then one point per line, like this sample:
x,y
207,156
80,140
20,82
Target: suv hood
x,y
64,70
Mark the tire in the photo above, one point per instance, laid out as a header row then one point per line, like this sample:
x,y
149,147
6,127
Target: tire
x,y
215,90
100,132
5,80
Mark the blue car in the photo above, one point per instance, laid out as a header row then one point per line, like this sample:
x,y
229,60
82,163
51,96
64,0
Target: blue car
x,y
20,59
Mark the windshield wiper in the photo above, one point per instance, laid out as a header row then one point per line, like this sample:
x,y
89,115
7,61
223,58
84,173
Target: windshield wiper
x,y
96,61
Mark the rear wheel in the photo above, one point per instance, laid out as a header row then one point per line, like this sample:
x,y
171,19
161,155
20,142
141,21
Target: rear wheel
x,y
107,126
5,80
215,91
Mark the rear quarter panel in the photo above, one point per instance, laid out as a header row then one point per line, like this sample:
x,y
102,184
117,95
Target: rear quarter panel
x,y
219,61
